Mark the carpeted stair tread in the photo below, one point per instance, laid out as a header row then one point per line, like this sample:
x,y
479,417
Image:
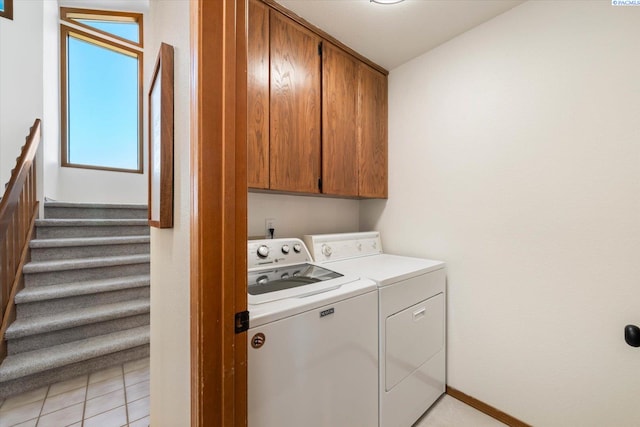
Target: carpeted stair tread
x,y
64,222
82,263
87,241
85,301
95,205
65,210
33,362
72,318
65,290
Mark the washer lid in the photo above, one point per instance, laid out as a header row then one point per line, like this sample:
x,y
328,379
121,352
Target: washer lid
x,y
386,269
287,281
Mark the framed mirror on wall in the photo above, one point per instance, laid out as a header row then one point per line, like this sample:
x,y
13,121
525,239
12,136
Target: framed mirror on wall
x,y
161,140
6,9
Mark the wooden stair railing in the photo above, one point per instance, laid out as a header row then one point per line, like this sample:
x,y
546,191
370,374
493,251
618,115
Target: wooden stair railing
x,y
18,212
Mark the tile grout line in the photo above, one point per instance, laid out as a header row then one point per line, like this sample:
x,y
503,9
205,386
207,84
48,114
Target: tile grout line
x,y
46,394
139,398
86,394
126,400
97,397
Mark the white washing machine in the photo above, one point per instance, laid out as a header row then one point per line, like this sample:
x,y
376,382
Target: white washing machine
x,y
313,341
411,322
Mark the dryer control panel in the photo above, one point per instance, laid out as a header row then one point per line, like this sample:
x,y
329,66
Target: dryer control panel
x,y
335,247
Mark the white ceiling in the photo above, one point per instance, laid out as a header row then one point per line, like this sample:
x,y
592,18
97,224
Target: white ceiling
x,y
390,35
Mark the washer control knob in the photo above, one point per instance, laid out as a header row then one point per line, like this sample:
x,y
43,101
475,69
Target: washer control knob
x,y
263,251
326,250
297,248
285,249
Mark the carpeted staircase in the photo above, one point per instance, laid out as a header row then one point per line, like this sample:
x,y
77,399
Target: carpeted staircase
x,y
85,304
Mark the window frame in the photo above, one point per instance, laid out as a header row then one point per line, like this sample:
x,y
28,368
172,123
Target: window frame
x,y
7,12
69,14
100,38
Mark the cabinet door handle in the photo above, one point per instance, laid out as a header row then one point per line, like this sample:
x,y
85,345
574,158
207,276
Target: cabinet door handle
x,y
632,335
417,315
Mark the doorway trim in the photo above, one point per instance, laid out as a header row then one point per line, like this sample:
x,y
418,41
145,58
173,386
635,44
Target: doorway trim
x,y
219,212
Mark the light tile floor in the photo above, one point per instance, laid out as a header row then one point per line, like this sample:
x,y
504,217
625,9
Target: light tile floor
x,y
119,396
113,397
450,412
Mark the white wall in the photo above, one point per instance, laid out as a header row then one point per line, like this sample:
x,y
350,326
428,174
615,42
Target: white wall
x,y
51,99
75,184
515,157
20,80
299,215
92,186
168,21
141,6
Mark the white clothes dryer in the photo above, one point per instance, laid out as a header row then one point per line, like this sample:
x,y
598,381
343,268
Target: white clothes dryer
x,y
411,320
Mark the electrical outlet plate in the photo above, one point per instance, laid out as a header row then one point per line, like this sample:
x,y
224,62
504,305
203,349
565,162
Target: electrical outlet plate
x,y
269,223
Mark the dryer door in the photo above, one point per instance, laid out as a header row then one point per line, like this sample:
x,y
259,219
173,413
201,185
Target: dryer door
x,y
413,336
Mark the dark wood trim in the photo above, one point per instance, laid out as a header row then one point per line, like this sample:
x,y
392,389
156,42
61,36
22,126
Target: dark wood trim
x,y
162,73
100,168
8,10
487,409
9,314
308,25
66,31
20,174
241,199
63,94
140,113
218,215
304,194
113,14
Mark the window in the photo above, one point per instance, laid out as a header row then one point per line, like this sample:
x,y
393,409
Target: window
x,y
101,89
6,9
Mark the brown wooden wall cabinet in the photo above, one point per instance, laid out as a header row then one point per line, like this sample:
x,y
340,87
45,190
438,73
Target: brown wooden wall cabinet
x,y
258,96
294,152
339,118
372,133
317,119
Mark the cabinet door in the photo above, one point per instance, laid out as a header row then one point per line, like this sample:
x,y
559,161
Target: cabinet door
x,y
295,107
372,132
339,133
258,96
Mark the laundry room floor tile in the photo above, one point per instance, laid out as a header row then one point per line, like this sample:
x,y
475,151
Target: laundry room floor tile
x,y
99,399
450,412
